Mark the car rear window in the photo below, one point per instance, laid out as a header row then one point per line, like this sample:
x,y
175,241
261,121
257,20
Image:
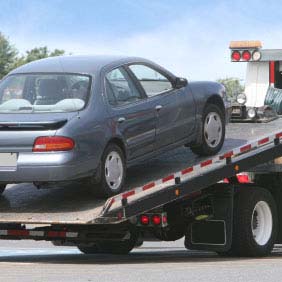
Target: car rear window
x,y
44,93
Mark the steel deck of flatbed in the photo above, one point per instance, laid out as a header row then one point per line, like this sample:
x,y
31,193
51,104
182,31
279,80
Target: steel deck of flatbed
x,y
23,203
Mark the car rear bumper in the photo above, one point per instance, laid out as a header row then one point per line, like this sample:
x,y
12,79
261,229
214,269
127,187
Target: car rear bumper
x,y
47,167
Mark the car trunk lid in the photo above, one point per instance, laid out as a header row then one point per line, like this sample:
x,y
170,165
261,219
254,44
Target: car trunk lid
x,y
19,131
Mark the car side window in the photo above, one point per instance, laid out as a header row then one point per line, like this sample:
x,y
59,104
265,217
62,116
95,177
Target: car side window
x,y
152,81
120,89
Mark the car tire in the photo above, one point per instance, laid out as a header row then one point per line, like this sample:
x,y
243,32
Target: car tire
x,y
255,224
111,173
213,131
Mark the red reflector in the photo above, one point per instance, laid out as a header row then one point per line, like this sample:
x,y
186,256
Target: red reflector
x,y
18,232
56,234
53,143
236,56
243,178
144,219
156,219
246,56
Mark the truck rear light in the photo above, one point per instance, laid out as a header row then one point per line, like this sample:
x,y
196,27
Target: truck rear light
x,y
156,219
246,55
236,56
145,219
256,55
53,143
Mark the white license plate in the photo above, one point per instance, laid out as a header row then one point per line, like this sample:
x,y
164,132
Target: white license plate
x,y
236,111
8,160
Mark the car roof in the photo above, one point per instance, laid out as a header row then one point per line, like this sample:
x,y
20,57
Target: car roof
x,y
76,64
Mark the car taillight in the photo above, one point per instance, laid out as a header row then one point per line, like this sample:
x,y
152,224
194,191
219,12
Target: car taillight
x,y
53,143
246,55
236,56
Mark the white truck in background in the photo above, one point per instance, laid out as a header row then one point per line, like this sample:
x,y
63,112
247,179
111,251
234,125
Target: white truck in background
x,y
262,98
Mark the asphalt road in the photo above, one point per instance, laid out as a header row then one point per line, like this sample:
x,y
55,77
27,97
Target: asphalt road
x,y
154,261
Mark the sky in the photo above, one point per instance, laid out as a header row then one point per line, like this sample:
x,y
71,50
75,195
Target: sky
x,y
188,37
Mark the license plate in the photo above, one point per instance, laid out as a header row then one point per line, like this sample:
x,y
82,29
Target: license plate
x,y
8,160
236,111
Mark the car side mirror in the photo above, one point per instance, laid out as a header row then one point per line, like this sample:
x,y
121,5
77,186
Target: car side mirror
x,y
180,82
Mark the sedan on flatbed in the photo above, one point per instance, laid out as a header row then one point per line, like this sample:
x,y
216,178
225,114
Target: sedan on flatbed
x,y
87,118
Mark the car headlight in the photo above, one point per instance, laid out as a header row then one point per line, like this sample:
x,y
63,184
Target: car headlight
x,y
242,98
252,113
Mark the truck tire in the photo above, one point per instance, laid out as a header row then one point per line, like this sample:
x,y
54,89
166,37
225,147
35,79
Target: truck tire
x,y
109,179
108,247
213,131
255,223
2,188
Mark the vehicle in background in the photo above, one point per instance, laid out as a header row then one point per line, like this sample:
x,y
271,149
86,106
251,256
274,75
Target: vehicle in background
x,y
262,98
83,118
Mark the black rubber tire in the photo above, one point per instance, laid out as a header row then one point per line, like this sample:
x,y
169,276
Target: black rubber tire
x,y
109,247
98,184
243,243
2,188
203,149
89,249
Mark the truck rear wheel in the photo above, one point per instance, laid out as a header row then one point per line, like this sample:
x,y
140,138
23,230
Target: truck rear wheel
x,y
255,223
2,188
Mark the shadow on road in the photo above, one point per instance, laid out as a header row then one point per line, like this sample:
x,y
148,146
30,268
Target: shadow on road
x,y
133,258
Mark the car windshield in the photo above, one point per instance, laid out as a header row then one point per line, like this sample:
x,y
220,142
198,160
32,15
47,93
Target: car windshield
x,y
43,93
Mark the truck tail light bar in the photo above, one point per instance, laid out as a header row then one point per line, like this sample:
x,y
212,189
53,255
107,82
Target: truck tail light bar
x,y
152,220
245,51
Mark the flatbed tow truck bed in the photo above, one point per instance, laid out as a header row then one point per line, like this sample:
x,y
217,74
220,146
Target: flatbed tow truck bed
x,y
24,204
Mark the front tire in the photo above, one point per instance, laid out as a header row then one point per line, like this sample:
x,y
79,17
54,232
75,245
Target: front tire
x,y
213,131
111,173
255,223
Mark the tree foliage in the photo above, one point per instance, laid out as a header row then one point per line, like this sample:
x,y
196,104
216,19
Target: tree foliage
x,y
232,85
9,58
8,55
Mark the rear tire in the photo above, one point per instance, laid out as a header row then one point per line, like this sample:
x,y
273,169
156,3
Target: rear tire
x,y
109,179
213,131
255,223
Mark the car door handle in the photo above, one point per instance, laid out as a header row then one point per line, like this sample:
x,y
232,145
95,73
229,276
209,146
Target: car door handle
x,y
121,120
158,107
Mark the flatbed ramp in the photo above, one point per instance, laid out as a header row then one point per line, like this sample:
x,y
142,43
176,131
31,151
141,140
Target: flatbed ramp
x,y
23,203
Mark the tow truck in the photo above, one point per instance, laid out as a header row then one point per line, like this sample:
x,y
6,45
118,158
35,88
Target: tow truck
x,y
230,203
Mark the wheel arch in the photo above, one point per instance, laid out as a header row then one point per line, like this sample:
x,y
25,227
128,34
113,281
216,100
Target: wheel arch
x,y
215,99
119,142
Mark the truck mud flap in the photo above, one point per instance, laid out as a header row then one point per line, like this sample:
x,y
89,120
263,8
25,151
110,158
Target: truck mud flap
x,y
215,233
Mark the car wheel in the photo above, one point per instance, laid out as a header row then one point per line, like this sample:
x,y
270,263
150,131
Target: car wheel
x,y
213,131
112,173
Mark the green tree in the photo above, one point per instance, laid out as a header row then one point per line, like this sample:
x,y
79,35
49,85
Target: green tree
x,y
232,85
37,54
8,55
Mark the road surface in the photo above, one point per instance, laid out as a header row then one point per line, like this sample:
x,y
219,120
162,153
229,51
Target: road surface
x,y
154,261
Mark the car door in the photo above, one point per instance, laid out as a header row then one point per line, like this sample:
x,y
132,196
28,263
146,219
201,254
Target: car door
x,y
131,115
174,108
